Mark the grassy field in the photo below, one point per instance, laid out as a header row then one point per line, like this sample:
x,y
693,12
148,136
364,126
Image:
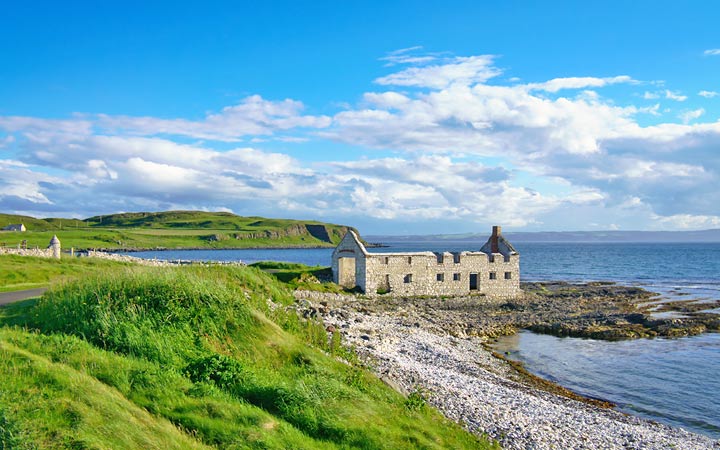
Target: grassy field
x,y
23,272
171,230
192,357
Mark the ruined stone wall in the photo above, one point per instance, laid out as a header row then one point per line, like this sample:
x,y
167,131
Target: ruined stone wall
x,y
426,273
39,252
501,285
449,274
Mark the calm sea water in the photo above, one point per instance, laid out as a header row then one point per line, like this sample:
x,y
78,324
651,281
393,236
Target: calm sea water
x,y
674,381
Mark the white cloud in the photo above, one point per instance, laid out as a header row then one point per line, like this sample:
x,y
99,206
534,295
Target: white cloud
x,y
595,145
651,95
21,186
712,52
558,84
689,116
253,116
405,56
675,96
688,221
708,94
465,147
435,187
458,70
77,126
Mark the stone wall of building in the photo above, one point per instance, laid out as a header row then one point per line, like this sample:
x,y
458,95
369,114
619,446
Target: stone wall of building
x,y
427,273
506,281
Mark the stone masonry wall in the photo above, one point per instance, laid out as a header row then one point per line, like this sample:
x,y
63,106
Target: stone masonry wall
x,y
501,286
427,273
39,252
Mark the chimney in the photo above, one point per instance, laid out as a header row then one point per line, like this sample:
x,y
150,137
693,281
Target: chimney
x,y
494,247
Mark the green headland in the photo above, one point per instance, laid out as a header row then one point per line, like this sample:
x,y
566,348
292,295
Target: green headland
x,y
171,230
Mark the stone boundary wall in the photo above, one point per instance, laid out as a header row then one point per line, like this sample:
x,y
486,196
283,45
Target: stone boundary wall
x,y
38,252
154,262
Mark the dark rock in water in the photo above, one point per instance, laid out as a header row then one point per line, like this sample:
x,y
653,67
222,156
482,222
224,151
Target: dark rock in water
x,y
636,318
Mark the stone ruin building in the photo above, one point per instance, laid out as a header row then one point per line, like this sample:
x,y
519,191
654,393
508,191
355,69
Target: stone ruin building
x,y
493,271
15,227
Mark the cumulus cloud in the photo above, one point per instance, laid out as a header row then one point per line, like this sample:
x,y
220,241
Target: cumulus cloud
x,y
21,187
592,143
252,116
708,94
435,187
464,145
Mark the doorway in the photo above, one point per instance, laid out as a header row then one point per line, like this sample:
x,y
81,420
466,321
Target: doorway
x,y
473,281
346,272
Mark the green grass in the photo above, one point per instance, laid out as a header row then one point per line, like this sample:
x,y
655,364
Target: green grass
x,y
301,276
172,230
25,272
193,357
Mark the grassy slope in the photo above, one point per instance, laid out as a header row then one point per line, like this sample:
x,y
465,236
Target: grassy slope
x,y
192,357
170,229
23,272
301,276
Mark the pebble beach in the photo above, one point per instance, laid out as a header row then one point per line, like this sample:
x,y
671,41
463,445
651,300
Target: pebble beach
x,y
468,384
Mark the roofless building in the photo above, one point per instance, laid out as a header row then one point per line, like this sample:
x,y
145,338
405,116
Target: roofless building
x,y
494,270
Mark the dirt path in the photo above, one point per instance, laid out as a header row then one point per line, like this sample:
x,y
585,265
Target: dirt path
x,y
16,296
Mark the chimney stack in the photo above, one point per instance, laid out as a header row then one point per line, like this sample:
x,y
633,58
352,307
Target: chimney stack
x,y
496,231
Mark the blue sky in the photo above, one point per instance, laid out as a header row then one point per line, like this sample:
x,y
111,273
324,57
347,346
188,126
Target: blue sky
x,y
396,117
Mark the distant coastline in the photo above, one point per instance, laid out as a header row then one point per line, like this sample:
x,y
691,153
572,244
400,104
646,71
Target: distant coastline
x,y
699,236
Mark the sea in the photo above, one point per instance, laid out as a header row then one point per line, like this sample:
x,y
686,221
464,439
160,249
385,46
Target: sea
x,y
672,381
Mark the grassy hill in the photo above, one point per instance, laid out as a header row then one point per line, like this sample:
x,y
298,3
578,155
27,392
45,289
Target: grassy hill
x,y
193,357
172,230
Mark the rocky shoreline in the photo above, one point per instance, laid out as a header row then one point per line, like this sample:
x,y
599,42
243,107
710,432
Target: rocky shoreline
x,y
438,347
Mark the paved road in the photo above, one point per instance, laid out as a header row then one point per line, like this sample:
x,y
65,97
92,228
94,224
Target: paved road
x,y
16,296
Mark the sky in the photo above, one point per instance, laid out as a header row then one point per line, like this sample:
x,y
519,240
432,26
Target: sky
x,y
397,117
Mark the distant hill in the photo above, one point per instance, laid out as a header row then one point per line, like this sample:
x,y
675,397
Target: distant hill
x,y
173,229
565,236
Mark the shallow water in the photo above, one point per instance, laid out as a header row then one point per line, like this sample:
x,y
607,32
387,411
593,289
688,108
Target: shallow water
x,y
672,381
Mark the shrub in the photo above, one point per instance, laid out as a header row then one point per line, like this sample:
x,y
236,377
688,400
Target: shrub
x,y
220,370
